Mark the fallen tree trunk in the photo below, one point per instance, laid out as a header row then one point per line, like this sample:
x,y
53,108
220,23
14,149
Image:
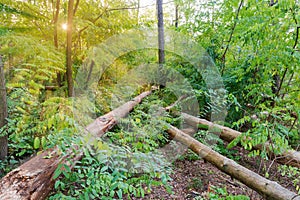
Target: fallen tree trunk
x,y
289,157
268,189
33,180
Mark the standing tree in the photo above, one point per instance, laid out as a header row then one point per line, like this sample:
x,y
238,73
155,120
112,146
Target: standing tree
x,y
69,49
56,8
176,14
3,111
161,39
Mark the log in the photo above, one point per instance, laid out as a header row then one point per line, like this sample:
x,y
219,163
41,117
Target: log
x,y
33,180
268,189
51,87
289,157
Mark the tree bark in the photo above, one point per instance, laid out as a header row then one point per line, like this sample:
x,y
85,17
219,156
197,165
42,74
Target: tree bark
x,y
176,15
3,111
138,12
268,189
55,35
55,20
290,157
69,72
33,180
161,39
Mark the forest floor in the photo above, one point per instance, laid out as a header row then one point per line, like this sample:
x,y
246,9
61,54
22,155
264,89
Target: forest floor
x,y
193,178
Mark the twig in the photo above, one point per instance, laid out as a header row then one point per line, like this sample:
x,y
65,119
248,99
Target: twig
x,y
281,81
176,102
290,80
76,7
293,124
116,9
294,48
35,11
231,35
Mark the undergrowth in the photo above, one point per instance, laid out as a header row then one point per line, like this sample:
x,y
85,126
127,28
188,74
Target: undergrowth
x,y
124,162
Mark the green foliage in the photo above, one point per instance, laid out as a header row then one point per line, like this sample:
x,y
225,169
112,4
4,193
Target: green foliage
x,y
256,50
31,122
218,193
7,165
124,163
216,143
266,131
293,173
109,172
196,183
144,129
251,48
190,155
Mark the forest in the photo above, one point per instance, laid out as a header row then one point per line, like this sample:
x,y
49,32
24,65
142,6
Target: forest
x,y
149,99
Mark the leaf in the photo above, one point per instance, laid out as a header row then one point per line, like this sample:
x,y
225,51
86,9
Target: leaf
x,y
36,143
104,168
57,172
44,142
112,193
234,142
119,193
86,196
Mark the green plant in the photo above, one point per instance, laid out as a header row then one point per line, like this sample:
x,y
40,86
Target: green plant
x,y
259,65
123,163
144,129
196,183
264,132
291,172
7,165
218,193
213,140
189,155
30,122
111,172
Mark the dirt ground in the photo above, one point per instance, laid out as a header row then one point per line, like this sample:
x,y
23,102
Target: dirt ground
x,y
196,178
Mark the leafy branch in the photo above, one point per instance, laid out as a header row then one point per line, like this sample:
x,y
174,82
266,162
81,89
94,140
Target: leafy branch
x,y
294,49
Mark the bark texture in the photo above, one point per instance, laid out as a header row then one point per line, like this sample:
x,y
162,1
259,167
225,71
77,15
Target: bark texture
x,y
3,111
69,72
33,180
161,38
268,189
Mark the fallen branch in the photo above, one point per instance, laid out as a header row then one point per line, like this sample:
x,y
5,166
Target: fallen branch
x,y
289,157
268,189
33,180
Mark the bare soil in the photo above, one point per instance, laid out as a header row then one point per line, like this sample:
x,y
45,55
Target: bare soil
x,y
196,178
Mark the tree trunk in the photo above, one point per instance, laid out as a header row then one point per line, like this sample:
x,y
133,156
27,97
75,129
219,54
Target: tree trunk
x,y
55,36
161,39
33,180
268,189
290,157
138,11
55,20
3,111
176,14
69,49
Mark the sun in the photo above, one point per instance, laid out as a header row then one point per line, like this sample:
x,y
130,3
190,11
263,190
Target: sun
x,y
64,26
